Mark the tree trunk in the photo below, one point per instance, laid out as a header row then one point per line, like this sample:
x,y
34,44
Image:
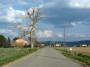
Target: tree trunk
x,y
32,45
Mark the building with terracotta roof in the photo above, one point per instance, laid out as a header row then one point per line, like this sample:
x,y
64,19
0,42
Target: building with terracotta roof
x,y
20,43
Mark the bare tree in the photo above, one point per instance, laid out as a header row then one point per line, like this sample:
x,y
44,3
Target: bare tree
x,y
34,15
23,30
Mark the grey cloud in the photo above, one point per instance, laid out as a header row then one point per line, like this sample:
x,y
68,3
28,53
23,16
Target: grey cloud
x,y
61,13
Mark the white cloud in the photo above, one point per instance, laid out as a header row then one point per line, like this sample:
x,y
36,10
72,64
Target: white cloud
x,y
79,35
60,35
49,34
73,24
79,3
7,31
45,34
41,6
14,15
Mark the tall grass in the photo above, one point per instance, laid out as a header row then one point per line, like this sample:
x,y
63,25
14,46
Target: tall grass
x,y
10,54
78,56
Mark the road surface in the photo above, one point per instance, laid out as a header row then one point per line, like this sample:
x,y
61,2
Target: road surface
x,y
46,57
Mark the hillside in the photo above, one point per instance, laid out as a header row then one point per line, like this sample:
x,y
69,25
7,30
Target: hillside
x,y
72,43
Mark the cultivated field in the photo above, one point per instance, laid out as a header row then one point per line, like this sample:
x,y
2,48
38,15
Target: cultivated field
x,y
79,53
85,50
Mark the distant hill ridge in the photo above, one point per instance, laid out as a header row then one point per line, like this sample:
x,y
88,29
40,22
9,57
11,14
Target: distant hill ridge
x,y
72,43
77,43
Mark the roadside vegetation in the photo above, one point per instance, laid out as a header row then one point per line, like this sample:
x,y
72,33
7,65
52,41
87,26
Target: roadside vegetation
x,y
83,57
10,54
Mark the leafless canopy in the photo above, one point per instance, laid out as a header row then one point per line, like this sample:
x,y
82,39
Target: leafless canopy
x,y
33,14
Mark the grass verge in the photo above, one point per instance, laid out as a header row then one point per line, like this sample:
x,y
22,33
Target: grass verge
x,y
78,56
10,54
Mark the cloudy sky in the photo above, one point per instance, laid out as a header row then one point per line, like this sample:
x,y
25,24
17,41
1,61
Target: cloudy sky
x,y
74,14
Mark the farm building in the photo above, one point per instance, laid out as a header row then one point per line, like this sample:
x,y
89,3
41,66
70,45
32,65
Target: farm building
x,y
57,45
20,43
84,45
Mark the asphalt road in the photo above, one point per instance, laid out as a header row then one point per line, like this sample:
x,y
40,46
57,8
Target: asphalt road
x,y
46,57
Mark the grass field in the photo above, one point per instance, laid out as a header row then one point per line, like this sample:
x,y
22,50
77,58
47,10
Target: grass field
x,y
11,54
79,53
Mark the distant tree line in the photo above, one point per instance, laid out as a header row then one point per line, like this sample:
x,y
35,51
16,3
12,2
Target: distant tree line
x,y
5,42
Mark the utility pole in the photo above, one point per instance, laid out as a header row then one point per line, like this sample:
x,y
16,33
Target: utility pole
x,y
64,34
